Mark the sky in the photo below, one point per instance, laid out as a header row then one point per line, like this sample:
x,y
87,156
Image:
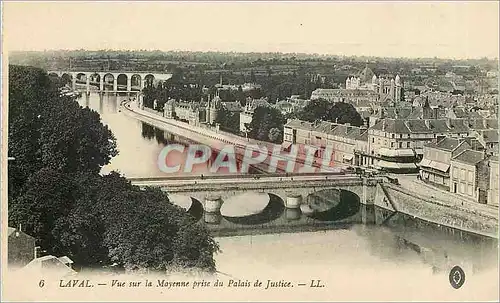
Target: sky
x,y
380,29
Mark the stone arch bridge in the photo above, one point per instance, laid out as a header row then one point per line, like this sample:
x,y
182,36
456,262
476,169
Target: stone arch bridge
x,y
292,190
114,81
364,188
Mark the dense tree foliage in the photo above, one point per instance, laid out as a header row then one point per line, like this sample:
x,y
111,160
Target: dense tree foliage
x,y
338,112
228,121
57,194
264,120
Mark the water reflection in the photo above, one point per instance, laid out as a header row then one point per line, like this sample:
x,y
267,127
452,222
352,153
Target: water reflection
x,y
401,239
271,212
138,143
343,204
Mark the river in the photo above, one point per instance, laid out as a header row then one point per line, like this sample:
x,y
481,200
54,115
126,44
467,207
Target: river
x,y
359,261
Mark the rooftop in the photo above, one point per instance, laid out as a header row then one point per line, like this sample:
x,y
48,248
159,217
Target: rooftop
x,y
447,144
469,156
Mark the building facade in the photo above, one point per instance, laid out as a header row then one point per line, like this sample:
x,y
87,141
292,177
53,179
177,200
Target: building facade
x,y
465,170
435,164
246,115
21,247
493,181
342,139
386,88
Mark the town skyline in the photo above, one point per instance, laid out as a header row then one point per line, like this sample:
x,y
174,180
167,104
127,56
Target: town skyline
x,y
402,30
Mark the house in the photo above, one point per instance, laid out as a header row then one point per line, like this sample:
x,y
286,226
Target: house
x,y
246,115
21,247
493,181
401,141
489,139
465,170
67,261
48,264
343,139
435,164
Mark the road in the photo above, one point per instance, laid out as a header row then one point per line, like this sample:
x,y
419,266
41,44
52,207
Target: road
x,y
263,179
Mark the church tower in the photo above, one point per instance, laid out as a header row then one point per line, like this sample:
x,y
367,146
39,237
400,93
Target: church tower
x,y
392,89
207,110
398,89
374,83
214,108
381,86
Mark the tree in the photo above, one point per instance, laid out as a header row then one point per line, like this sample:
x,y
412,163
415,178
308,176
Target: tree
x,y
46,130
46,197
227,120
263,120
240,96
252,77
275,135
338,112
59,197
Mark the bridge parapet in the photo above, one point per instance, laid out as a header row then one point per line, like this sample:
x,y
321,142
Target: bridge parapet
x,y
365,189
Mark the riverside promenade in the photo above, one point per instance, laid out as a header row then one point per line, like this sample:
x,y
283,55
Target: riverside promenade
x,y
217,139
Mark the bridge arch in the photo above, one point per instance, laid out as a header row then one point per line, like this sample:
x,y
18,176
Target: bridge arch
x,y
333,204
108,81
81,78
66,78
53,75
95,78
136,81
121,80
148,80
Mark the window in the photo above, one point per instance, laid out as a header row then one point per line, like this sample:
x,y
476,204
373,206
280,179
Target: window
x,y
392,144
471,176
373,140
400,144
392,136
462,188
400,135
462,174
469,190
455,172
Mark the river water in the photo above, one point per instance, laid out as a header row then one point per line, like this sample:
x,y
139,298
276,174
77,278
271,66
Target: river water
x,y
404,259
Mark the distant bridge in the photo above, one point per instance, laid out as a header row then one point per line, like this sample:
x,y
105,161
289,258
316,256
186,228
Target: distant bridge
x,y
126,81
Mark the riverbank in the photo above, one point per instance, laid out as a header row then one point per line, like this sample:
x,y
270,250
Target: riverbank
x,y
218,139
432,210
